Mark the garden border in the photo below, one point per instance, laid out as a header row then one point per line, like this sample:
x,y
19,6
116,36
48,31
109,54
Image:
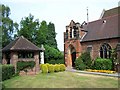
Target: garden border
x,y
94,73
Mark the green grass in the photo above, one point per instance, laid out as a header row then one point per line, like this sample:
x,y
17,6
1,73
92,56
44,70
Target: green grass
x,y
62,80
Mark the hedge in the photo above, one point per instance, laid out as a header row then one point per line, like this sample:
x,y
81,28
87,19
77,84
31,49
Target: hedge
x,y
57,67
50,68
58,61
102,64
44,68
21,65
7,71
62,67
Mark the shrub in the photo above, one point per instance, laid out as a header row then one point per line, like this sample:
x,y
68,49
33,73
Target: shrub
x,y
2,86
57,67
58,61
47,64
21,65
102,64
79,64
44,68
41,66
50,68
86,59
62,67
7,71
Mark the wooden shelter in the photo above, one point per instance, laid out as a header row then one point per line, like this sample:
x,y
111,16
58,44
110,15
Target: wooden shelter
x,y
21,49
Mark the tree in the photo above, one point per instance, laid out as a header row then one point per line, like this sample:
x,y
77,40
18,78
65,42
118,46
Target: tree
x,y
51,36
42,34
28,28
8,26
52,54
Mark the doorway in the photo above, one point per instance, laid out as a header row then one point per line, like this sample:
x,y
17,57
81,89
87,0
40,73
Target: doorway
x,y
71,56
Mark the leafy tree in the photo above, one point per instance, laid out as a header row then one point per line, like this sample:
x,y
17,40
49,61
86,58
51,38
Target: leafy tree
x,y
42,34
52,54
8,26
28,28
51,41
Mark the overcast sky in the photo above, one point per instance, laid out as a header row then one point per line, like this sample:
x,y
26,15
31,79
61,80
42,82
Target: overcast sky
x,y
59,12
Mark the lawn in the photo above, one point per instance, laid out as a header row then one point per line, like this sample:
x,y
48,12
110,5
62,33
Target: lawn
x,y
62,80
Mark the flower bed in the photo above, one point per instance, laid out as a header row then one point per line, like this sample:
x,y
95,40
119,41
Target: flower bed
x,y
102,71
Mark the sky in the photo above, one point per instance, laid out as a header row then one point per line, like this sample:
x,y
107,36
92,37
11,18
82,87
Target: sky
x,y
59,12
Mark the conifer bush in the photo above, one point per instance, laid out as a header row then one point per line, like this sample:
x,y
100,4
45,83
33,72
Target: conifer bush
x,y
44,68
47,64
50,68
57,67
41,66
62,67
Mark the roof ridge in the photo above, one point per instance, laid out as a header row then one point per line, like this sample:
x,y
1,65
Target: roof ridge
x,y
104,18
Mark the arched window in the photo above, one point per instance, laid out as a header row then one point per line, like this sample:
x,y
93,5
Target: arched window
x,y
105,51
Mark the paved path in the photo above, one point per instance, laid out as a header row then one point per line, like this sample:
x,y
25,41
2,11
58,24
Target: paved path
x,y
95,73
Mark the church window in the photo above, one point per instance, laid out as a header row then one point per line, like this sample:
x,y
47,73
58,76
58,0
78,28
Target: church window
x,y
105,51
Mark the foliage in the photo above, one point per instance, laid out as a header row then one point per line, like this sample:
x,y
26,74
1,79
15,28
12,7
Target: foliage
x,y
41,66
86,59
62,67
50,68
28,28
114,58
59,61
23,65
57,67
79,64
44,68
83,61
102,64
7,71
8,26
52,53
51,41
42,33
102,71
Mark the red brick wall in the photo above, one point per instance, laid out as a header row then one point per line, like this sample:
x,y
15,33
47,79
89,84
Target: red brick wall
x,y
96,46
67,56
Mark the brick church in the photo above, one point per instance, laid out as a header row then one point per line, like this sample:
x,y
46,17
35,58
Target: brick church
x,y
98,37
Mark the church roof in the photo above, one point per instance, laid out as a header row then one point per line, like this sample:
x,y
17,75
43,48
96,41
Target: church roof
x,y
111,12
22,44
104,28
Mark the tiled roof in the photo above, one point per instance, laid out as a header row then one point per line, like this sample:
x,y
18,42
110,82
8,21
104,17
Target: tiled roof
x,y
21,43
104,28
111,12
